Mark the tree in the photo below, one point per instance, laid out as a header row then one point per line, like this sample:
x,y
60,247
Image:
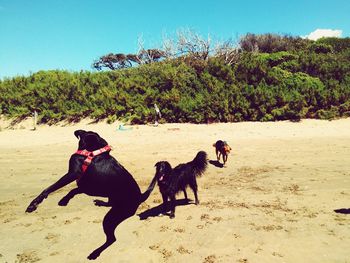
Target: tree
x,y
194,45
146,56
112,61
228,52
269,43
119,61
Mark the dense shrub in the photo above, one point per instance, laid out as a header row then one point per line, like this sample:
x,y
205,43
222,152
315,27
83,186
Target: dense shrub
x,y
302,80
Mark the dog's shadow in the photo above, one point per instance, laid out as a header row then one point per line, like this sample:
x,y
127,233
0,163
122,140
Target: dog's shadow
x,y
216,163
343,211
158,210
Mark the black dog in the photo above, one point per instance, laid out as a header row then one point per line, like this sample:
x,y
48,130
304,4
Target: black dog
x,y
172,181
222,148
98,174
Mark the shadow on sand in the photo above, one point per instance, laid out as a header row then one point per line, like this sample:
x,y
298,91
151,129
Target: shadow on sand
x,y
342,211
157,210
216,163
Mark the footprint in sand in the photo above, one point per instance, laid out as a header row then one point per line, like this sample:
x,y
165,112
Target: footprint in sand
x,y
164,228
179,230
157,201
67,222
205,217
52,237
154,247
28,256
210,259
183,250
165,253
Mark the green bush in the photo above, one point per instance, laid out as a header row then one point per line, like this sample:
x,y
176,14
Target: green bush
x,y
292,83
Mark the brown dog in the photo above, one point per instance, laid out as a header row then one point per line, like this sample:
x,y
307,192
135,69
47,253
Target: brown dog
x,y
222,148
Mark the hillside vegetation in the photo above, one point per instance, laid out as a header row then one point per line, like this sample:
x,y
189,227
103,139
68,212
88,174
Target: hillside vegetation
x,y
266,78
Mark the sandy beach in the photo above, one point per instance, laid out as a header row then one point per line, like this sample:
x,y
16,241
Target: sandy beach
x,y
273,202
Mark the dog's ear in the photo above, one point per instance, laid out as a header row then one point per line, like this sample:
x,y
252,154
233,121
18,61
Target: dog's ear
x,y
167,167
158,164
79,133
89,140
214,145
94,141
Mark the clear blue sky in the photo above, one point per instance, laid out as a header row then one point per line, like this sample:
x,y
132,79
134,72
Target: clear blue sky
x,y
71,34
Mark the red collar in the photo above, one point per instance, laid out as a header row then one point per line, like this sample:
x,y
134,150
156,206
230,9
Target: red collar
x,y
91,155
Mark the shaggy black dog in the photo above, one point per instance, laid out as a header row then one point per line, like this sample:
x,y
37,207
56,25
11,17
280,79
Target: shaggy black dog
x,y
172,181
98,174
222,148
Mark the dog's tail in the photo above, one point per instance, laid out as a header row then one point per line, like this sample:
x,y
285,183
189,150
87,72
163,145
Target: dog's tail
x,y
200,163
149,190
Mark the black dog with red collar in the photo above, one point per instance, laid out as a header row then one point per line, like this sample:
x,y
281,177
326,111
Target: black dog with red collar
x,y
102,176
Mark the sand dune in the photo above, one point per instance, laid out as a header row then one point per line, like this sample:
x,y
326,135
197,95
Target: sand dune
x,y
274,202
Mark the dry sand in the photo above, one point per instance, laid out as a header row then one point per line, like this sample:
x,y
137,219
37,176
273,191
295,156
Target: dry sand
x,y
274,202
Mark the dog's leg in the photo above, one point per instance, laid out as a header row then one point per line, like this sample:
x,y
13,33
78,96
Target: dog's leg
x,y
110,222
217,155
172,204
165,202
102,203
66,179
194,188
64,201
185,193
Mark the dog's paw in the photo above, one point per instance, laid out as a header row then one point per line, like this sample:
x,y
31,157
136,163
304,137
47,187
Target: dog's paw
x,y
162,214
92,256
31,208
101,203
63,202
35,203
172,216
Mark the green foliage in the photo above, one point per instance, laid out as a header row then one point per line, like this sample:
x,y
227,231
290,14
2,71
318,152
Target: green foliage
x,y
337,44
272,43
319,47
291,80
